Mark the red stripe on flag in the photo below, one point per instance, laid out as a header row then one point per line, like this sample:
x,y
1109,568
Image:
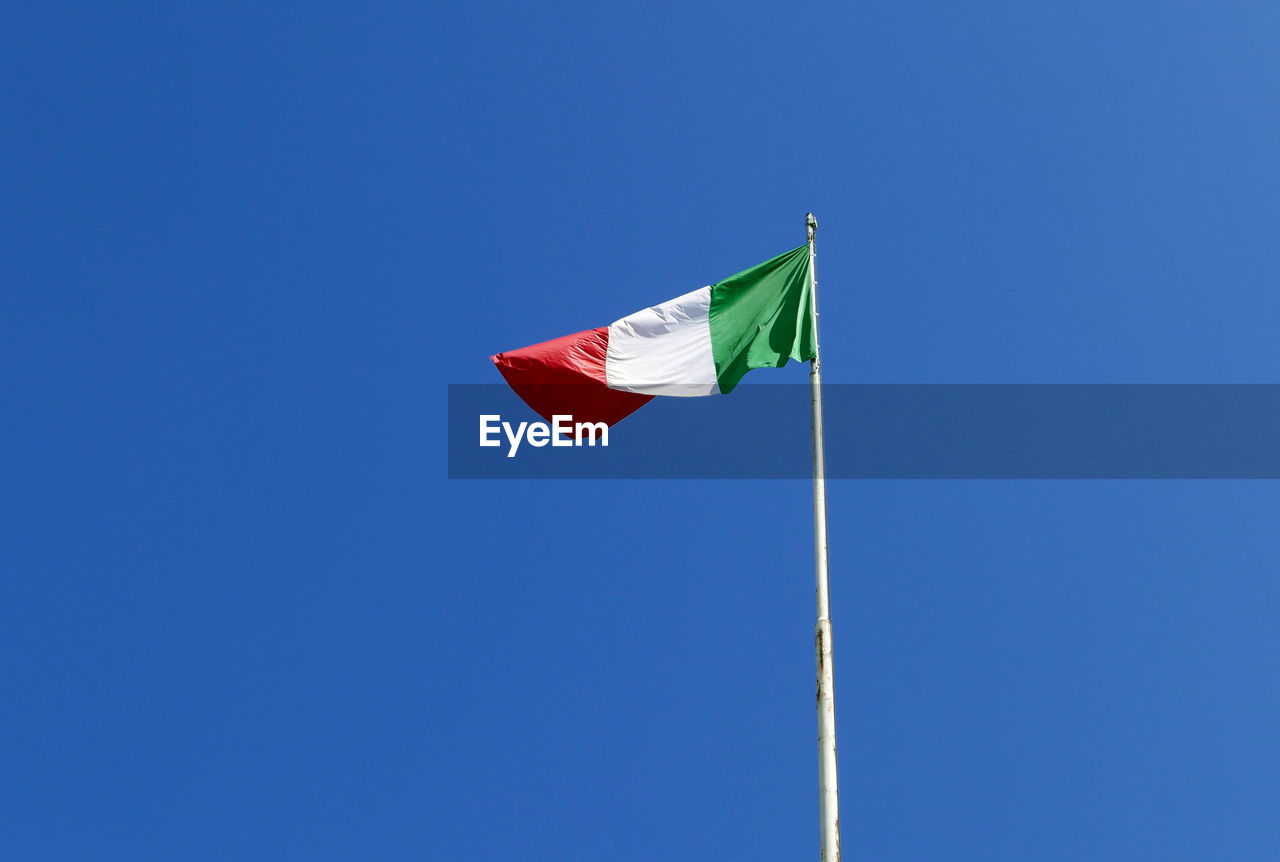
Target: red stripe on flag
x,y
565,376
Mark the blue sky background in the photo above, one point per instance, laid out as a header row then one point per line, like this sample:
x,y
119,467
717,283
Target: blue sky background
x,y
244,615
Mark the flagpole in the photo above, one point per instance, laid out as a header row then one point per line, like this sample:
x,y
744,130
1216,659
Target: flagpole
x,y
829,798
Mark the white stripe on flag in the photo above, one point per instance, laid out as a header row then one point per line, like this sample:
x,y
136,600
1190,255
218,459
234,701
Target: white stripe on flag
x,y
664,350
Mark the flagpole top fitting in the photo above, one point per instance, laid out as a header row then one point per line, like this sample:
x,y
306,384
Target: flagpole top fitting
x,y
811,224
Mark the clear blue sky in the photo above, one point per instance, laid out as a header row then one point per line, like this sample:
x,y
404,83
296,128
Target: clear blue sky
x,y
244,615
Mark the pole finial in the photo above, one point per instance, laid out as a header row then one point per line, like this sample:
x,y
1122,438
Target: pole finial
x,y
811,224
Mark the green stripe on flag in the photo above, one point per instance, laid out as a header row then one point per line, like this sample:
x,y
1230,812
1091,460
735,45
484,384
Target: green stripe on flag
x,y
762,317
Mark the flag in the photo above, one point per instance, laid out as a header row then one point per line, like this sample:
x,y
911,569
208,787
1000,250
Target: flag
x,y
700,343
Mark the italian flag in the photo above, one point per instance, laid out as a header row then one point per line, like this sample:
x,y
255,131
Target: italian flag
x,y
700,343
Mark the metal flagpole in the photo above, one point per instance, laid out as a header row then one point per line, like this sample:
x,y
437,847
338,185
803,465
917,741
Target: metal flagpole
x,y
829,798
